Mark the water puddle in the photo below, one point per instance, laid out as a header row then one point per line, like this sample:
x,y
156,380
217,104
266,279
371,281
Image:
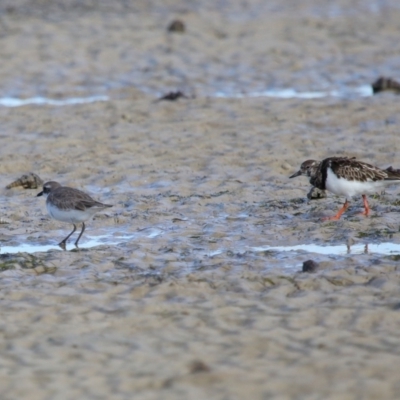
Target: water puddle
x,y
381,248
153,232
361,91
86,243
15,102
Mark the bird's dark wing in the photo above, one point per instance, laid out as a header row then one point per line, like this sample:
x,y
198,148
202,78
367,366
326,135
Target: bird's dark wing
x,y
67,198
354,170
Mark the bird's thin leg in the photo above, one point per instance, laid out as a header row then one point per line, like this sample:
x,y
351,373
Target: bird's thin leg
x,y
63,243
339,213
83,229
366,206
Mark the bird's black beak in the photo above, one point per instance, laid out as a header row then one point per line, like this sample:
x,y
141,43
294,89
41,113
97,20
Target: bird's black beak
x,y
40,194
293,176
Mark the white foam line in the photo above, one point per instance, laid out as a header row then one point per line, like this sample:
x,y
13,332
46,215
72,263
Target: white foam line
x,y
86,243
15,102
362,91
382,248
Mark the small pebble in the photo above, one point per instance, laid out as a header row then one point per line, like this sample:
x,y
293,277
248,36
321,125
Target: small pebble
x,y
316,194
172,96
197,366
176,26
310,266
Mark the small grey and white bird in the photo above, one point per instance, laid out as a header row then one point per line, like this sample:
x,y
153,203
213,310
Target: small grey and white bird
x,y
70,205
347,177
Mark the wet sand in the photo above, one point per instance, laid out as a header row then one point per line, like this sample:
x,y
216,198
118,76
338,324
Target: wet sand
x,y
175,292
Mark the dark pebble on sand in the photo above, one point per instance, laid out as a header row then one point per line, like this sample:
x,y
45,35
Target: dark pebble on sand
x,y
172,96
383,84
310,266
176,26
197,366
315,194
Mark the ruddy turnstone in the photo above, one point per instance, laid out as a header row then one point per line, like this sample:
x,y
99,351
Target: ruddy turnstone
x,y
347,177
70,205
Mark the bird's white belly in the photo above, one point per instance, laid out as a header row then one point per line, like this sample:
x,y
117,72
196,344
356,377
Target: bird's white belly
x,y
72,216
341,186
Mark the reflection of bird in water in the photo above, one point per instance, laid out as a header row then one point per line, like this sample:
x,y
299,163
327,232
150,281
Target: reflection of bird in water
x,y
348,245
347,177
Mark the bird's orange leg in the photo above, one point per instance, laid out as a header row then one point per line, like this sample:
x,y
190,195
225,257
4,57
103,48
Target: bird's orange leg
x,y
366,206
339,213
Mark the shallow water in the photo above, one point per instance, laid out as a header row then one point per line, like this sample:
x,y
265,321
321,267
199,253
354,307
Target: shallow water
x,y
111,238
88,243
361,91
380,248
114,237
16,102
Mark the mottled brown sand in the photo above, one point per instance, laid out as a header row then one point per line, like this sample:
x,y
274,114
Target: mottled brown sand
x,y
179,300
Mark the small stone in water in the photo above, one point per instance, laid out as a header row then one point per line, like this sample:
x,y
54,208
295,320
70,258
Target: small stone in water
x,y
176,26
316,194
310,266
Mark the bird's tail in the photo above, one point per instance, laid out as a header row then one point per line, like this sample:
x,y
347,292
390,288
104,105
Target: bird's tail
x,y
393,174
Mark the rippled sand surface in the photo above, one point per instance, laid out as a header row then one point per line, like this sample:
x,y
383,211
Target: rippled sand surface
x,y
183,289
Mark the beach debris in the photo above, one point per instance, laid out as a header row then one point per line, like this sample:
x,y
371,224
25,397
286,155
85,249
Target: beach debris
x,y
27,181
316,194
173,96
384,84
176,26
310,266
25,261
